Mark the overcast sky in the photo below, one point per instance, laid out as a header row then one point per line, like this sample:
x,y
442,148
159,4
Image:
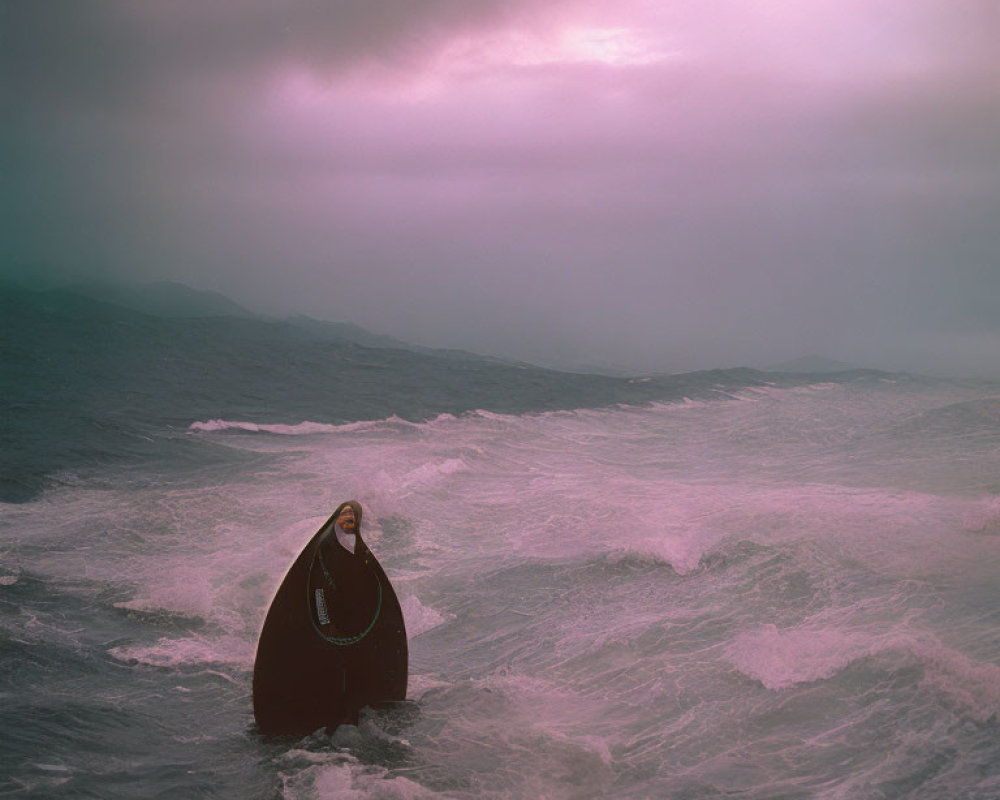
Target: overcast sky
x,y
661,184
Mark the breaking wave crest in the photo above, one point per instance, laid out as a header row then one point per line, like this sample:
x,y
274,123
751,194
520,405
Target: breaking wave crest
x,y
781,659
305,428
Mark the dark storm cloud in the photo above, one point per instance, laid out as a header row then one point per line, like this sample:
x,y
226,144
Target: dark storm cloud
x,y
106,56
108,101
675,184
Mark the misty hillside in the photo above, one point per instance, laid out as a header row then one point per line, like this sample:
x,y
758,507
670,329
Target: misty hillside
x,y
172,299
813,364
162,299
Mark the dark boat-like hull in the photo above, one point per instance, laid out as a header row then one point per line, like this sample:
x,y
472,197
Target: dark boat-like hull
x,y
307,673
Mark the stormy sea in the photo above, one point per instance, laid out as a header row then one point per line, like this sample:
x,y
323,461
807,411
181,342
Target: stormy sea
x,y
720,584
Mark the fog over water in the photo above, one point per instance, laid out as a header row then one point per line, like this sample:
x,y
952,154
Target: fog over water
x,y
665,186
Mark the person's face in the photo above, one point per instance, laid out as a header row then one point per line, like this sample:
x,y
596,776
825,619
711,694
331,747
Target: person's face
x,y
346,520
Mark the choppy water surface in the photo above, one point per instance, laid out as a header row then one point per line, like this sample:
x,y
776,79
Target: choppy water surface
x,y
787,593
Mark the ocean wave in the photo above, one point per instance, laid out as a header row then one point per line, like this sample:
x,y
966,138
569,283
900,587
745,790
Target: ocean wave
x,y
189,651
431,471
10,578
419,618
781,659
309,427
681,554
337,775
983,519
978,418
305,428
445,419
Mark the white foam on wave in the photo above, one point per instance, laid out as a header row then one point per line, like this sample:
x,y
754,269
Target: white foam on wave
x,y
653,481
682,555
664,482
823,386
305,428
780,659
192,593
677,530
678,523
336,775
984,518
975,686
783,658
433,471
189,651
548,728
444,420
419,618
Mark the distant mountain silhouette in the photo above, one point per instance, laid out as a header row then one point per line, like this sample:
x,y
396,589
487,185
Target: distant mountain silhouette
x,y
813,364
162,299
170,299
349,332
173,300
